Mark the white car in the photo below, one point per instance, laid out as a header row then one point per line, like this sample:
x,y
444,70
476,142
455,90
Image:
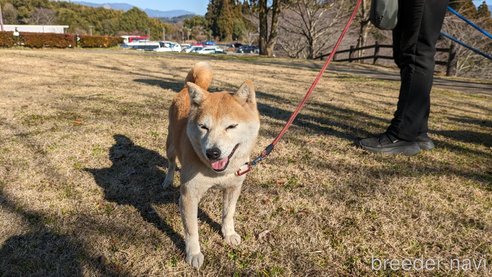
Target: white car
x,y
193,49
210,50
185,46
168,46
145,46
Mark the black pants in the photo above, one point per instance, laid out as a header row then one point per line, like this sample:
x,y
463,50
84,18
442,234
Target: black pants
x,y
414,47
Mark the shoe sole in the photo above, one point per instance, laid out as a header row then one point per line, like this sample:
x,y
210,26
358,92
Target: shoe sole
x,y
406,150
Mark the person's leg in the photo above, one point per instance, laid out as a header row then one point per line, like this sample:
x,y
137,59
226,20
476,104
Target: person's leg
x,y
419,28
396,40
415,37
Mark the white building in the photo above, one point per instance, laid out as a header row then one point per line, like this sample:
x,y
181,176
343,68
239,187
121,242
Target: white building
x,y
58,29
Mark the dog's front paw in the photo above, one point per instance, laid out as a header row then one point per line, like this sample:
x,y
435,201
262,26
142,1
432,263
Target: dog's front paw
x,y
233,239
195,260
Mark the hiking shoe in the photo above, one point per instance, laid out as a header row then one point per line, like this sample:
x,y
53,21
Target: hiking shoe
x,y
424,142
386,143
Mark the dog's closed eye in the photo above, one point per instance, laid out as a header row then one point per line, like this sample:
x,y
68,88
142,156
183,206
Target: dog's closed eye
x,y
203,127
231,127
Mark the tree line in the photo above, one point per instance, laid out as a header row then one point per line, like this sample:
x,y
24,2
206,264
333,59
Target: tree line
x,y
82,19
294,28
303,28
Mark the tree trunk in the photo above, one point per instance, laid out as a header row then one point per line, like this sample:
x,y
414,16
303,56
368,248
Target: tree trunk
x,y
310,54
272,38
263,22
268,36
364,27
1,19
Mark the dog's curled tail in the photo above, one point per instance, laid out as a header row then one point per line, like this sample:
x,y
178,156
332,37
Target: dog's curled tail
x,y
201,75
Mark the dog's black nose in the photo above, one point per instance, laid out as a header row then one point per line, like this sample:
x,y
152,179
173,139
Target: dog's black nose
x,y
213,153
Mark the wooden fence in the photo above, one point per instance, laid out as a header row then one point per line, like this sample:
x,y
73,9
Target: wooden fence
x,y
450,63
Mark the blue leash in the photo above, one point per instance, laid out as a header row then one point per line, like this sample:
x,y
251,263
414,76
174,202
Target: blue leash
x,y
469,22
478,51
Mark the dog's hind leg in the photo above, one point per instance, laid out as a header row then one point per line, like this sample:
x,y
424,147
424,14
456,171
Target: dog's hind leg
x,y
171,159
230,197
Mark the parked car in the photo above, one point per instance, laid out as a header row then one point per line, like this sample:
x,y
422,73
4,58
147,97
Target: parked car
x,y
248,49
211,50
145,46
193,48
185,46
168,46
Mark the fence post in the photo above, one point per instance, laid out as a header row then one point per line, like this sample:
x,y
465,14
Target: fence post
x,y
351,53
376,52
450,66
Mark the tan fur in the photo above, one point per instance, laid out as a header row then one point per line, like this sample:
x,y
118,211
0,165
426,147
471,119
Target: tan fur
x,y
199,121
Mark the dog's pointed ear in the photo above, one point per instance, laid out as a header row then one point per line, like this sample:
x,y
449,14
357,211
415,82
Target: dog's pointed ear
x,y
197,94
246,93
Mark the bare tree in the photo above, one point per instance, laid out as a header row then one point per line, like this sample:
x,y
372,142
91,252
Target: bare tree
x,y
364,25
42,16
307,26
251,35
268,16
467,62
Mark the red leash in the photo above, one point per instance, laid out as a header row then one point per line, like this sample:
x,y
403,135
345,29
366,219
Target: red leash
x,y
247,167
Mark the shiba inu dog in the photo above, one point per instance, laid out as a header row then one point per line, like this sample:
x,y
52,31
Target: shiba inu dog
x,y
212,136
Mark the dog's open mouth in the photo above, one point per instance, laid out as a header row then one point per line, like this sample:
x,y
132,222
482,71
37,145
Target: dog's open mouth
x,y
221,165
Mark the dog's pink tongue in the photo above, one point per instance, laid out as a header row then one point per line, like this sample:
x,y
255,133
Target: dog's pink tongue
x,y
220,164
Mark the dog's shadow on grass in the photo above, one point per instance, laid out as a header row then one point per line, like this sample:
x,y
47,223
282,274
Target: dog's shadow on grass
x,y
162,83
135,179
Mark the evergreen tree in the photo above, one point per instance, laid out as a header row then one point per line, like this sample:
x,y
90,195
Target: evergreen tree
x,y
239,28
212,15
195,27
9,14
74,20
225,19
134,20
483,10
483,14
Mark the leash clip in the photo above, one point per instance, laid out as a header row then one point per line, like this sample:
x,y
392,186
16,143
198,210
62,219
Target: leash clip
x,y
247,167
241,171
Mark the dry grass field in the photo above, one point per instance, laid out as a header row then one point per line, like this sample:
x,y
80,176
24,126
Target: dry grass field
x,y
82,136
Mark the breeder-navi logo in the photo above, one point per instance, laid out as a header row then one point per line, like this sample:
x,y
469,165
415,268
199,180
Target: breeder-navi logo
x,y
432,264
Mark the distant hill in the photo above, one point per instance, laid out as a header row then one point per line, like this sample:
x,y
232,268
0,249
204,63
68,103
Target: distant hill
x,y
115,6
167,14
126,7
175,19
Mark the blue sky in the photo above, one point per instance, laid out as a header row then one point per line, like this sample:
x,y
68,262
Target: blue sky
x,y
477,3
196,6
